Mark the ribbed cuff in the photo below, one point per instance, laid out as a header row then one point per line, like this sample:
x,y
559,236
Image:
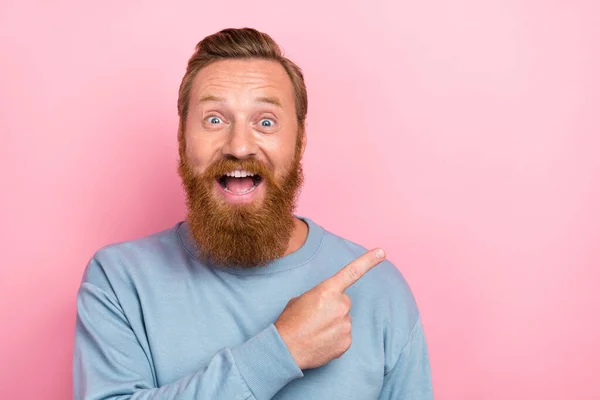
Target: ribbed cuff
x,y
266,363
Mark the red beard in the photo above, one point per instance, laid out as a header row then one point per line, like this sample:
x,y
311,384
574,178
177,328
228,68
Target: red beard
x,y
241,235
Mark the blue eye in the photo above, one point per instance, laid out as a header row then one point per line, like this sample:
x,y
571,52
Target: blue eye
x,y
266,123
214,120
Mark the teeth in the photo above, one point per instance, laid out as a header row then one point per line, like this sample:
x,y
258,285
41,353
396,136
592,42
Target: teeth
x,y
239,174
246,192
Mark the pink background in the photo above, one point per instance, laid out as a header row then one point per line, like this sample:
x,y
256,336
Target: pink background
x,y
462,136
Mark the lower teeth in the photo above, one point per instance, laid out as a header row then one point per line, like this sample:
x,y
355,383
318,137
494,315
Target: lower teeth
x,y
246,192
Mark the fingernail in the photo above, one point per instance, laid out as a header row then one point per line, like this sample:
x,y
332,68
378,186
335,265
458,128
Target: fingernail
x,y
380,254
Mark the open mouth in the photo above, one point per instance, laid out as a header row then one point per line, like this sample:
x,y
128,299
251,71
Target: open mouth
x,y
239,182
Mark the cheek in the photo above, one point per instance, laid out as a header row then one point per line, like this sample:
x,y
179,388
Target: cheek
x,y
283,161
198,153
280,151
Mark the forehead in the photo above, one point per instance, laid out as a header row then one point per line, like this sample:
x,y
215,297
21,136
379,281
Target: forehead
x,y
248,77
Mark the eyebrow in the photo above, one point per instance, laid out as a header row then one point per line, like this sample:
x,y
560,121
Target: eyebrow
x,y
269,100
211,98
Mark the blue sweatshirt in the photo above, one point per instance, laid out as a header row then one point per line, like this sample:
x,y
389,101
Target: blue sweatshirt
x,y
154,322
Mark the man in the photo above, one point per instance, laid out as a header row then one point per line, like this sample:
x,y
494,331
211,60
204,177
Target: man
x,y
245,300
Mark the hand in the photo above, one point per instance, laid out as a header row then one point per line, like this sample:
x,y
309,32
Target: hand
x,y
316,326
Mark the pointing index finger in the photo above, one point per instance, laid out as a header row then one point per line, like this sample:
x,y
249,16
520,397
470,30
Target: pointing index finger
x,y
352,272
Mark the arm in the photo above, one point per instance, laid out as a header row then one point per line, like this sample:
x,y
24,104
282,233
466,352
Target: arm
x,y
410,378
110,364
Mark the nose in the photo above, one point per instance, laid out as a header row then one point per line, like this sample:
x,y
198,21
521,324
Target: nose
x,y
240,142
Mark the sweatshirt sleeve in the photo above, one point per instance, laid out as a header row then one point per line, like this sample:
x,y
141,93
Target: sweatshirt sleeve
x,y
410,378
110,363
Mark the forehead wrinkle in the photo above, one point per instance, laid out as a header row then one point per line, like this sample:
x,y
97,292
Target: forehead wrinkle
x,y
247,70
273,86
240,77
268,94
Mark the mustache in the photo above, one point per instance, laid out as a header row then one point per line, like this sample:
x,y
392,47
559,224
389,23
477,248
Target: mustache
x,y
225,165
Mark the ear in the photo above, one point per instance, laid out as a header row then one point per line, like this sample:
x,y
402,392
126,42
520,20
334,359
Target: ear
x,y
304,139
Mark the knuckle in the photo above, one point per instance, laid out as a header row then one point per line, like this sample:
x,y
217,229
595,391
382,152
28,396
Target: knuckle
x,y
348,325
323,293
352,272
348,300
346,343
321,303
327,302
319,293
342,310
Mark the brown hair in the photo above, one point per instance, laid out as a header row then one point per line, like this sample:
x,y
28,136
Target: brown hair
x,y
238,44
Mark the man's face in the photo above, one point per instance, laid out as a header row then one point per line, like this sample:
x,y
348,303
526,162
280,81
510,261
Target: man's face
x,y
241,167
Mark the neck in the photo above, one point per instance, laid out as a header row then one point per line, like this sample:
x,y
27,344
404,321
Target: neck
x,y
299,236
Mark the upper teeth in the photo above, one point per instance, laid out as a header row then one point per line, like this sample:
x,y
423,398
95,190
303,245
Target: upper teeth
x,y
239,174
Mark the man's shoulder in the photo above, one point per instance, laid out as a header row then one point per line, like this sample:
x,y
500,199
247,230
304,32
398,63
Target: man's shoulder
x,y
143,246
123,261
